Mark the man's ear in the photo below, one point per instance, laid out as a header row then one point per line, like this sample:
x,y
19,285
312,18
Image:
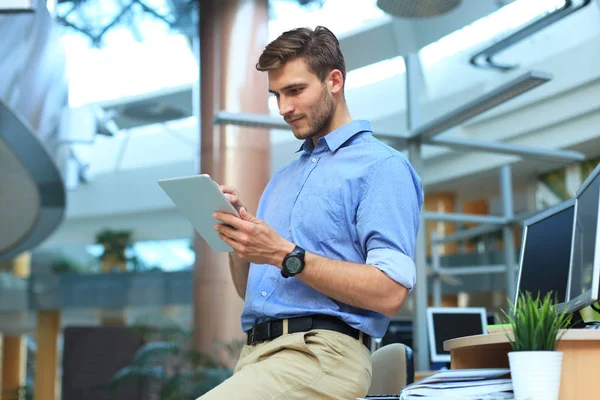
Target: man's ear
x,y
335,81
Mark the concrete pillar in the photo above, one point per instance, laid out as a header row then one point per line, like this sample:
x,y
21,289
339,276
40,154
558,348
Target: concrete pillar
x,y
14,366
13,349
113,317
22,265
233,33
19,266
48,324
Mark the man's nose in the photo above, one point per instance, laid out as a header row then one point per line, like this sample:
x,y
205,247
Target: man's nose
x,y
285,108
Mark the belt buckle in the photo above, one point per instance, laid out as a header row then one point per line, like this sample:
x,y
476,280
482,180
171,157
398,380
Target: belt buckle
x,y
251,336
261,332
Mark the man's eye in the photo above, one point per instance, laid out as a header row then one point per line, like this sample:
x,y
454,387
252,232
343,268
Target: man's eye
x,y
295,91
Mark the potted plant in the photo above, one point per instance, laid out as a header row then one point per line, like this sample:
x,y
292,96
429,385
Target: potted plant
x,y
116,244
535,364
169,367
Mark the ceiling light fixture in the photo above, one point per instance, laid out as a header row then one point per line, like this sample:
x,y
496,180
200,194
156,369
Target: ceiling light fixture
x,y
502,94
417,8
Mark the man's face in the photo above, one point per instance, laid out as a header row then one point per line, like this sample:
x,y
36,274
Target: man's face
x,y
305,102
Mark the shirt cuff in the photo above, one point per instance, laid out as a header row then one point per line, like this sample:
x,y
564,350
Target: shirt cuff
x,y
398,266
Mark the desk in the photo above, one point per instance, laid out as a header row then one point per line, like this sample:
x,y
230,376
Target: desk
x,y
423,374
581,359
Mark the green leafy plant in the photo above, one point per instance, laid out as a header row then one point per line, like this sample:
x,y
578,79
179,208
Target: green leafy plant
x,y
63,265
169,367
115,243
536,323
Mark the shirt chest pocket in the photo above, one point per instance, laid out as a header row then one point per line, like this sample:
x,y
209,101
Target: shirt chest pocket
x,y
318,216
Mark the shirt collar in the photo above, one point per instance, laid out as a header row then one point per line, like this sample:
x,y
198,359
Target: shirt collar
x,y
338,137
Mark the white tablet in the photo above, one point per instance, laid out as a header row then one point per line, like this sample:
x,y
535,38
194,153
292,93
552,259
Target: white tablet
x,y
197,197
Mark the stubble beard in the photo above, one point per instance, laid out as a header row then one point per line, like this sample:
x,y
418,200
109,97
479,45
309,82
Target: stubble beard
x,y
321,113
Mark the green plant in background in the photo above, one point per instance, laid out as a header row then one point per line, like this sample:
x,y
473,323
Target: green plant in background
x,y
588,166
556,182
168,366
115,244
536,323
118,252
63,265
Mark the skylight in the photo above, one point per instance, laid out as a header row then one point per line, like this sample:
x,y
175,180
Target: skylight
x,y
141,54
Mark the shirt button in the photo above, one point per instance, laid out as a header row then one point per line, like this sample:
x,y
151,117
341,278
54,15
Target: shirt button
x,y
290,229
314,159
264,294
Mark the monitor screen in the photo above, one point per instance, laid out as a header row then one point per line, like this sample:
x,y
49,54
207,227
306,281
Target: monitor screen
x,y
451,323
546,253
583,282
400,330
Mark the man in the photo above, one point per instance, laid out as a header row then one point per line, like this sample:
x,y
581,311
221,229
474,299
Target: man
x,y
328,259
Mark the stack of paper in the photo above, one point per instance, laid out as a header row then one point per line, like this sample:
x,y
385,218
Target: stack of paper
x,y
462,384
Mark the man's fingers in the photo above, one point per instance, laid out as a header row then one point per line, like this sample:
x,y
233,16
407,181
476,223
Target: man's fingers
x,y
232,243
234,221
228,189
231,233
228,219
246,216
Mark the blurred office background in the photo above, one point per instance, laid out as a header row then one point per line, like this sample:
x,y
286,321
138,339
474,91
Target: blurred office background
x,y
496,101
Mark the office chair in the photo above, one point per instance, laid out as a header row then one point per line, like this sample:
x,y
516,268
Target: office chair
x,y
393,369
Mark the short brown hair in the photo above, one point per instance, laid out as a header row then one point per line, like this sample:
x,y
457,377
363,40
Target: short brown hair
x,y
319,48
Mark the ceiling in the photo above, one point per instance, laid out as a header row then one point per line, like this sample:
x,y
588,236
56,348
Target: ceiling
x,y
394,36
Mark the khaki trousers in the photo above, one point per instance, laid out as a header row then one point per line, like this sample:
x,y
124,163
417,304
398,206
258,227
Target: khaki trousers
x,y
319,364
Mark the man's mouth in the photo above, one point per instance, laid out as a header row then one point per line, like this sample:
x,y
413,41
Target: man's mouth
x,y
293,121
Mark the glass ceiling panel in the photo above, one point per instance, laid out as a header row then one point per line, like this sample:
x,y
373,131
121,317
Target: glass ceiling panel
x,y
141,53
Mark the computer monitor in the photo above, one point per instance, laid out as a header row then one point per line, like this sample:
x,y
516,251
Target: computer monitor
x,y
584,277
400,330
445,323
546,252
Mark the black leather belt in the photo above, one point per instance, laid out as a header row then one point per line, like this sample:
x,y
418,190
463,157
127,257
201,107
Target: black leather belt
x,y
271,329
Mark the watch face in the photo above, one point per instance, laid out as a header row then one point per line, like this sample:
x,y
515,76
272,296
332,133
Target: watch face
x,y
293,265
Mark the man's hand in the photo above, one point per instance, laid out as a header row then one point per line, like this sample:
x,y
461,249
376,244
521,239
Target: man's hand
x,y
252,239
233,196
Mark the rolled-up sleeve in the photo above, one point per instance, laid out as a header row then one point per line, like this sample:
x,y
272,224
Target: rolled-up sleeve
x,y
388,219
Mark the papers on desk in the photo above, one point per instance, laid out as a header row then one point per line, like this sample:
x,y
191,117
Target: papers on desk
x,y
462,384
381,397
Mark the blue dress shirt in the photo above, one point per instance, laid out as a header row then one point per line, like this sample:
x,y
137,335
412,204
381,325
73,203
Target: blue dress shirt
x,y
351,198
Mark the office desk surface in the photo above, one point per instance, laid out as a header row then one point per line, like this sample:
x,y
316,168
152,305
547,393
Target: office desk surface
x,y
581,359
491,338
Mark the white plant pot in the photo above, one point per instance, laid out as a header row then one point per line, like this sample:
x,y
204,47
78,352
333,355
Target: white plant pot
x,y
535,374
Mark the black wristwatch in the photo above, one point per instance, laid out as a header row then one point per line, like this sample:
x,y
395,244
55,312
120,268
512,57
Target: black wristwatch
x,y
293,263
